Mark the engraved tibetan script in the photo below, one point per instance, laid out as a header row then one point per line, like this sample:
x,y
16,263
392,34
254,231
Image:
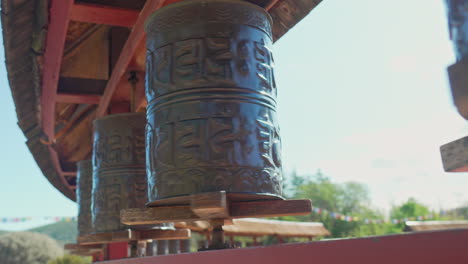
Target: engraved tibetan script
x,y
192,60
117,149
194,142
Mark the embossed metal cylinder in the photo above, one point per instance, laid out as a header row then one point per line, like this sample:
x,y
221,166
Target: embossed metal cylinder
x,y
211,95
83,196
119,178
458,26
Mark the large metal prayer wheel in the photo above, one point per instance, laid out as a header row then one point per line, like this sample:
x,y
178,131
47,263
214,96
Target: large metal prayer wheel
x,y
211,95
83,196
119,178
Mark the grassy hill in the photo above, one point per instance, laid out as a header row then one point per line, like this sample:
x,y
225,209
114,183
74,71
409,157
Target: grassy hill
x,y
3,232
63,232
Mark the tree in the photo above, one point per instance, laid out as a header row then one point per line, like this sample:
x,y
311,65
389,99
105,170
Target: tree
x,y
351,199
70,259
411,209
25,247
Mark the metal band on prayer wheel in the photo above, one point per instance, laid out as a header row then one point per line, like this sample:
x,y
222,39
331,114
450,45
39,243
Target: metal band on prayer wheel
x,y
211,95
119,168
458,25
83,196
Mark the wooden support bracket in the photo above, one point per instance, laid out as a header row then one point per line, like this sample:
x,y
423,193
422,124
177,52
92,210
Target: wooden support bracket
x,y
455,155
209,206
129,235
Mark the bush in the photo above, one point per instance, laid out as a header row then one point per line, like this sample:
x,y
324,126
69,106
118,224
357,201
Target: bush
x,y
70,259
28,248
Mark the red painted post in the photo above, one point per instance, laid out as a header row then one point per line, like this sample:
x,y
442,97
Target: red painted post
x,y
97,257
117,251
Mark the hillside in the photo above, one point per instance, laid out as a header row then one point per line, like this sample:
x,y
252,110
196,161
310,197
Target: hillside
x,y
63,232
3,232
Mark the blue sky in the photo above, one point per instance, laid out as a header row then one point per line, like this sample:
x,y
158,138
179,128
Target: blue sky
x,y
363,96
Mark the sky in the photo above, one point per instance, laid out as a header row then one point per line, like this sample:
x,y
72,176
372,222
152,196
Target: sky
x,y
363,96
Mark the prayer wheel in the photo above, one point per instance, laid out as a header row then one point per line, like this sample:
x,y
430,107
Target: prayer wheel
x,y
83,196
458,26
212,122
119,178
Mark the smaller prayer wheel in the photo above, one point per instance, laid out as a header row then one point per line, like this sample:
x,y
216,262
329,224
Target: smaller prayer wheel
x,y
184,245
119,178
83,196
458,26
162,247
174,247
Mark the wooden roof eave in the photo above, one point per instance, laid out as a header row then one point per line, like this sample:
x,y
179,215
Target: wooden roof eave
x,y
23,24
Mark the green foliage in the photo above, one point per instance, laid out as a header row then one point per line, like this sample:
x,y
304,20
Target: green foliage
x,y
70,259
409,209
30,248
349,198
63,232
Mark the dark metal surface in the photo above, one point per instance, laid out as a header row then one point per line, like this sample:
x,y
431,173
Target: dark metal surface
x,y
83,196
211,101
174,247
184,245
458,26
162,247
119,168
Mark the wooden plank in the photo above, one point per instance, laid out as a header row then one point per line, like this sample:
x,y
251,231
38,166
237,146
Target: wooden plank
x,y
88,56
181,213
128,235
161,234
108,237
157,215
416,248
136,36
211,205
74,98
78,246
107,15
81,86
270,208
455,155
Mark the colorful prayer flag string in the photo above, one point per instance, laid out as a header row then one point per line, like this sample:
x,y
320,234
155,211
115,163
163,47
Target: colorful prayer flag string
x,y
348,218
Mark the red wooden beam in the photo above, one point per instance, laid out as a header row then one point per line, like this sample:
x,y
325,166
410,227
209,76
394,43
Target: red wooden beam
x,y
57,31
136,36
271,4
416,248
107,15
73,98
